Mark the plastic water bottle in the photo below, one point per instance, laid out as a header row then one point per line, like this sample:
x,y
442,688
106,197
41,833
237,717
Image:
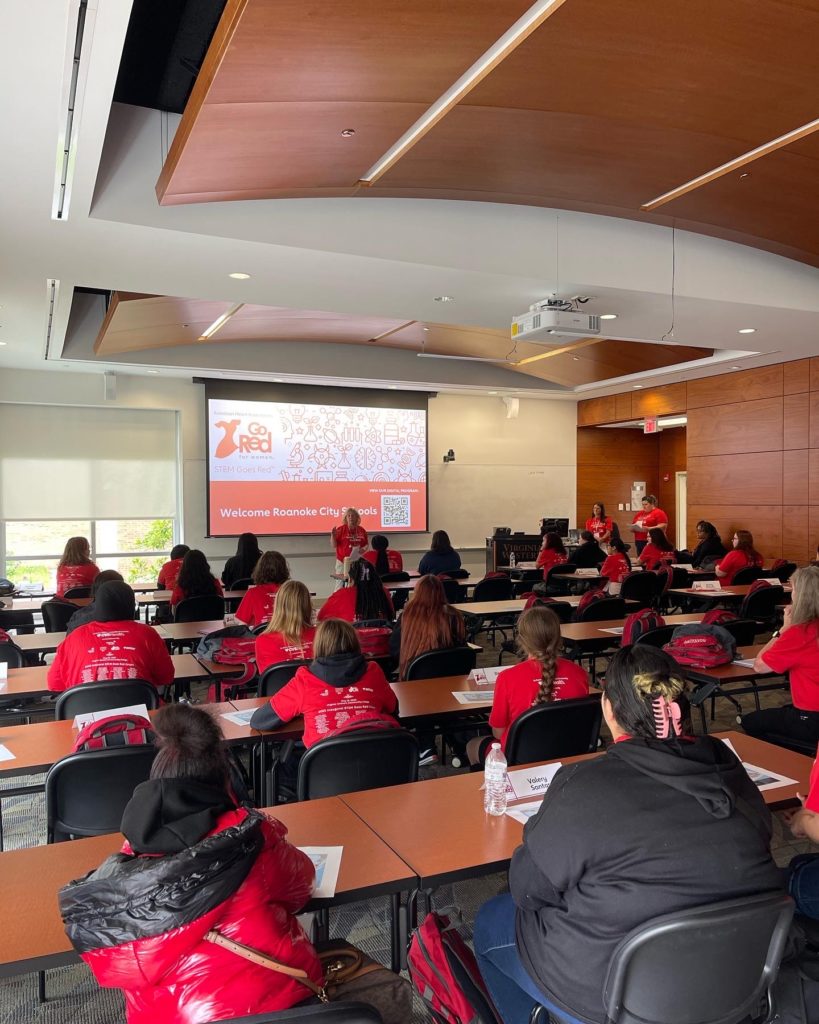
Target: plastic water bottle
x,y
494,781
512,560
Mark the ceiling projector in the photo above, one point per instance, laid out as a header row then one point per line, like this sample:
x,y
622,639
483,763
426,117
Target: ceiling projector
x,y
549,321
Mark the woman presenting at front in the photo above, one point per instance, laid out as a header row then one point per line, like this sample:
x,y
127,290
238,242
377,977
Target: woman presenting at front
x,y
599,523
351,534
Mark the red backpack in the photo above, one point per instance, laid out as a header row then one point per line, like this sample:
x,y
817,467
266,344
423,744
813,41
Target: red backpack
x,y
589,598
444,973
699,646
115,731
231,645
374,639
638,624
717,616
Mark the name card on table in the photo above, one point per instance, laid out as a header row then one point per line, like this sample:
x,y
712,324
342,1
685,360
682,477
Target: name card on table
x,y
586,573
486,676
713,585
528,782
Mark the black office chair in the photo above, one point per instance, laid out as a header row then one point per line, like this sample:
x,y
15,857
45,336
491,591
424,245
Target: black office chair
x,y
455,592
11,655
658,637
493,588
21,622
560,728
77,592
445,661
325,1013
56,614
742,630
113,693
640,587
557,581
598,611
457,574
524,579
784,571
200,609
732,949
746,575
242,584
761,606
368,759
86,792
276,676
395,577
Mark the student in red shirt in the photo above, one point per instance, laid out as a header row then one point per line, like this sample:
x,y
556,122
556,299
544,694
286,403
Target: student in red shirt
x,y
599,523
351,534
743,556
195,579
289,635
649,517
795,650
616,566
259,601
114,646
540,679
383,557
552,552
363,598
339,689
169,572
75,568
659,550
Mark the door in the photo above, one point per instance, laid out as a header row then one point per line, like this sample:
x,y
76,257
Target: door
x,y
682,511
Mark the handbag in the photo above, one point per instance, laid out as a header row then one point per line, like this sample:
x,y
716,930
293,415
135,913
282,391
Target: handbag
x,y
349,976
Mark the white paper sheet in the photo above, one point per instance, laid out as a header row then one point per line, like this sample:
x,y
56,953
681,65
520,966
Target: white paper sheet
x,y
762,777
586,573
474,696
81,721
488,675
744,662
327,861
528,782
6,754
239,717
4,670
523,812
713,585
614,630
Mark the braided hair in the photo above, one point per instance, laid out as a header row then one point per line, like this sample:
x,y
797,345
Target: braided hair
x,y
539,638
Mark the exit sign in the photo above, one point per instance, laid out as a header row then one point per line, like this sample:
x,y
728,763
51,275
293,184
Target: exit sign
x,y
650,425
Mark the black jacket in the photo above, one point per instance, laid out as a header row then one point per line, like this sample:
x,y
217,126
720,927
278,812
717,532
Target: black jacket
x,y
588,556
710,549
649,828
434,562
81,617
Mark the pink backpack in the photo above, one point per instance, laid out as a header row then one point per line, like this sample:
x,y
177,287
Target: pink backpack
x,y
639,623
115,731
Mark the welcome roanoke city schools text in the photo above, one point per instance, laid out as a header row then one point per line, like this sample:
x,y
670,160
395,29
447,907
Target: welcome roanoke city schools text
x,y
267,513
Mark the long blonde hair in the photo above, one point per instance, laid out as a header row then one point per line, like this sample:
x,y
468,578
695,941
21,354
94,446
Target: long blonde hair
x,y
77,552
805,607
539,638
292,612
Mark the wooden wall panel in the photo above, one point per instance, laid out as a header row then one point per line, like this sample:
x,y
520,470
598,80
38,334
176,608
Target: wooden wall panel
x,y
764,522
608,461
813,530
795,534
795,476
813,476
813,420
754,478
596,410
796,420
672,459
814,374
739,427
622,406
796,376
746,385
661,401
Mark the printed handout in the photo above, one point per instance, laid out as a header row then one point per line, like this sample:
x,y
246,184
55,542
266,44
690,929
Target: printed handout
x,y
474,696
5,753
764,778
523,812
327,862
239,717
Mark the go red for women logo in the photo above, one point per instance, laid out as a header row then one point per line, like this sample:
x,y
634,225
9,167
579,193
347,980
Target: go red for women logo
x,y
257,438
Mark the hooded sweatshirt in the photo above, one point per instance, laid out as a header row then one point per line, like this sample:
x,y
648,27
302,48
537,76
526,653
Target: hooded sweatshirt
x,y
650,828
192,862
333,694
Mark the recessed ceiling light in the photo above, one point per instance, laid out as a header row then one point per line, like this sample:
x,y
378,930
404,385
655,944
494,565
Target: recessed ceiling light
x,y
736,367
745,174
393,387
608,316
747,330
444,298
426,329
239,277
637,387
153,371
491,392
575,359
348,133
3,343
220,322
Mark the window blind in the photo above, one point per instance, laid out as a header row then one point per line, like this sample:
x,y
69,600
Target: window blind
x,y
70,462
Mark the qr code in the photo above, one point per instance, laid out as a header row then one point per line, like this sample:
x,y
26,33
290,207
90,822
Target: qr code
x,y
395,510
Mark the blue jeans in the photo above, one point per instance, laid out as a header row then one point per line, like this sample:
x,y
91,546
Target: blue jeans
x,y
803,884
514,993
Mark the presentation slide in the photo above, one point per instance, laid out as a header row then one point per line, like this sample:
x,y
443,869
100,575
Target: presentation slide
x,y
277,467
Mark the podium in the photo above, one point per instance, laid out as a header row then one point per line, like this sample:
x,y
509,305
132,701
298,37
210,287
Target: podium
x,y
524,546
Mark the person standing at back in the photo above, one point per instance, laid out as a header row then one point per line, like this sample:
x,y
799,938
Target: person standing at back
x,y
441,557
241,565
75,568
599,523
169,572
351,534
743,556
650,516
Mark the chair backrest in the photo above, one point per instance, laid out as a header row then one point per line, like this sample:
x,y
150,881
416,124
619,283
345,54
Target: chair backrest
x,y
607,608
658,637
783,569
275,677
640,586
77,801
242,584
77,592
746,575
761,604
679,578
742,630
493,588
367,759
200,609
732,949
20,622
557,729
455,591
56,615
11,655
113,693
395,577
325,1013
561,569
445,661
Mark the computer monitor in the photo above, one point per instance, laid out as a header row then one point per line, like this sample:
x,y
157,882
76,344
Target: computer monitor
x,y
550,524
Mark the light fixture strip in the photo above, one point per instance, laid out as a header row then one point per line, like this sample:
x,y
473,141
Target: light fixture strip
x,y
735,164
497,52
220,322
73,91
467,359
560,351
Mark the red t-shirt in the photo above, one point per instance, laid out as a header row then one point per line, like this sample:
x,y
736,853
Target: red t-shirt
x,y
651,554
812,802
99,651
516,689
615,567
258,603
168,574
70,576
733,562
273,649
796,651
347,539
648,521
394,559
327,709
341,605
599,527
549,557
178,594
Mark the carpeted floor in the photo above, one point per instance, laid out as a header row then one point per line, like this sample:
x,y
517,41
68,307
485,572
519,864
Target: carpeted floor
x,y
73,995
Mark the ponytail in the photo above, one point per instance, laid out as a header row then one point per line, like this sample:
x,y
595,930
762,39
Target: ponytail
x,y
539,638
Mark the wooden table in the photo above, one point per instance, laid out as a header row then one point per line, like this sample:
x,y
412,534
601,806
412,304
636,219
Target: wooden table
x,y
35,939
411,584
34,604
577,632
179,631
734,593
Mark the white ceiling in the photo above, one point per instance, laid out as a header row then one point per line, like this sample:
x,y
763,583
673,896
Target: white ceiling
x,y
367,256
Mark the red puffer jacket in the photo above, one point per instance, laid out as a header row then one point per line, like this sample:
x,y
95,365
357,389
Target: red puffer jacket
x,y
140,922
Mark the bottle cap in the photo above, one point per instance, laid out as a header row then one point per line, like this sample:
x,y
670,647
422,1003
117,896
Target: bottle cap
x,y
495,746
